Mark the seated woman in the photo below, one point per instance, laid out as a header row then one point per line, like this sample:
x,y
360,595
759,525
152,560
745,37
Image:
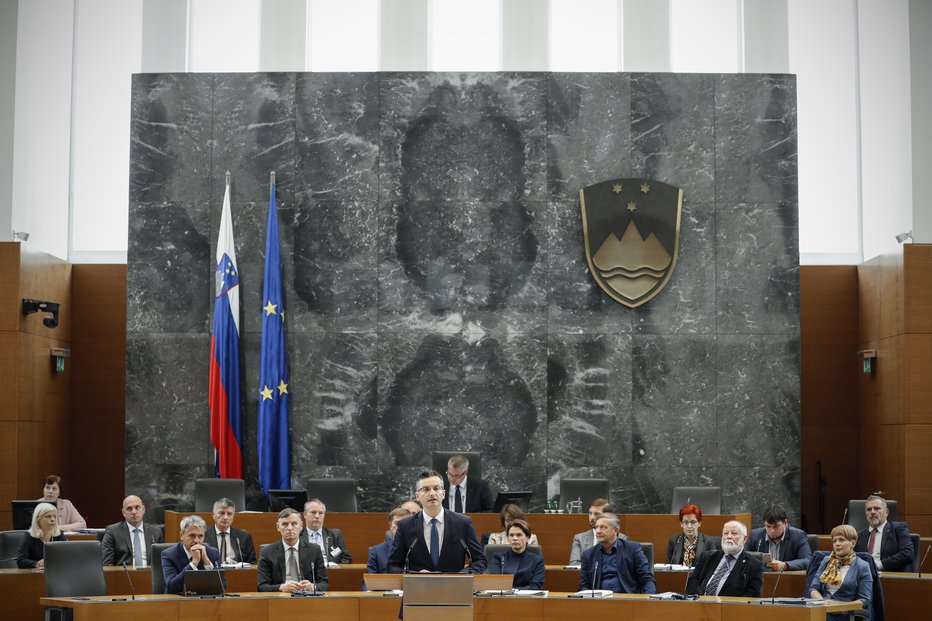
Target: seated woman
x,y
685,549
68,516
510,513
44,529
527,567
842,576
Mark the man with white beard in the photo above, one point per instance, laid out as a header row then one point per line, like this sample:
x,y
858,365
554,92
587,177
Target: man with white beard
x,y
729,571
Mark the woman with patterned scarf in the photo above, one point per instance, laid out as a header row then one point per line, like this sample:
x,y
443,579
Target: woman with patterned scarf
x,y
843,576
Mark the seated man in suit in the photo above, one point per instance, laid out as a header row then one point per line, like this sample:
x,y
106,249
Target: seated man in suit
x,y
468,494
435,539
328,539
235,544
291,565
613,563
586,539
189,554
378,554
129,541
887,542
788,547
729,571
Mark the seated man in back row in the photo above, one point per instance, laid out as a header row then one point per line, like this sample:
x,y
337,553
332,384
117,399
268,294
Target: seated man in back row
x,y
330,540
235,544
586,539
728,572
464,493
613,563
788,547
887,542
131,540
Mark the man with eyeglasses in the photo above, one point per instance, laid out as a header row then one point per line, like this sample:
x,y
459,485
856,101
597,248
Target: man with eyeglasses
x,y
465,494
435,540
586,539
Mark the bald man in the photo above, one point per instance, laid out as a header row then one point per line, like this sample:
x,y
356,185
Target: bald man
x,y
130,541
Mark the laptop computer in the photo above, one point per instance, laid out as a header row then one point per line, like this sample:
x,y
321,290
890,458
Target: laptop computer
x,y
204,582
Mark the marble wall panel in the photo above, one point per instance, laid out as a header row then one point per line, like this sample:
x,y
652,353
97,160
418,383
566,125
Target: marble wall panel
x,y
436,285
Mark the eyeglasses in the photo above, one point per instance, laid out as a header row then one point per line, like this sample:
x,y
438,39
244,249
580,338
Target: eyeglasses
x,y
689,523
426,490
453,475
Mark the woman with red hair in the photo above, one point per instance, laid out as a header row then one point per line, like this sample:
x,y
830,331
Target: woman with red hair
x,y
685,549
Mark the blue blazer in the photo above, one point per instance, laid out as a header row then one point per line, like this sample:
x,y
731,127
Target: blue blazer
x,y
858,584
633,569
528,568
794,551
378,560
175,562
458,532
896,548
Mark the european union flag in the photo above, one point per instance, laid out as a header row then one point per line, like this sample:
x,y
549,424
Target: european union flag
x,y
273,433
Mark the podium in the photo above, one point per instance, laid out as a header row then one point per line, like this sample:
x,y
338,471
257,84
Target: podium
x,y
434,596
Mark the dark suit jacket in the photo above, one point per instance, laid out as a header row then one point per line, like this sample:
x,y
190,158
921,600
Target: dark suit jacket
x,y
175,562
32,550
272,565
794,551
236,534
745,580
633,568
457,530
528,568
378,558
478,496
117,547
896,549
704,543
333,538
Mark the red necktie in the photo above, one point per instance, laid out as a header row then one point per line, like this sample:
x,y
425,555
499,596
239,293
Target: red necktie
x,y
870,541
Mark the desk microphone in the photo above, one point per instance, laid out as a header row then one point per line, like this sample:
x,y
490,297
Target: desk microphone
x,y
502,559
468,556
773,596
844,517
408,555
315,592
130,580
242,559
686,584
924,559
223,587
596,578
759,542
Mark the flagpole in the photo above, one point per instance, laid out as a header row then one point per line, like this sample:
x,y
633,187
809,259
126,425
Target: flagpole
x,y
228,178
272,178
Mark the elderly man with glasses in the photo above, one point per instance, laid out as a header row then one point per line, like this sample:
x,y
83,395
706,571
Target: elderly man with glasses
x,y
465,494
435,539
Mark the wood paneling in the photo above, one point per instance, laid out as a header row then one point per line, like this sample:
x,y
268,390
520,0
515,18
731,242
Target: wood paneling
x,y
10,308
98,391
916,377
917,266
829,303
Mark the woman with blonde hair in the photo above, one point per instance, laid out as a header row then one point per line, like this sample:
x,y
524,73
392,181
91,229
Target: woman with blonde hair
x,y
44,529
842,576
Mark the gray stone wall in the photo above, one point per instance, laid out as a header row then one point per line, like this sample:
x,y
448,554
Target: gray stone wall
x,y
437,288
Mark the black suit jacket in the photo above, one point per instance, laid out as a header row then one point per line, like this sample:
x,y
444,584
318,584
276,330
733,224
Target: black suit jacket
x,y
272,565
117,547
896,548
704,543
794,550
457,530
745,580
478,496
333,538
236,534
175,562
32,550
527,568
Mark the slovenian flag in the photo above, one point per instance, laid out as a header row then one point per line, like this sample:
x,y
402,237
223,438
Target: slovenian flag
x,y
226,424
273,436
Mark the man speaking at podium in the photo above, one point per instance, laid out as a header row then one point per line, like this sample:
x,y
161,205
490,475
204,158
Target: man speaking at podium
x,y
435,540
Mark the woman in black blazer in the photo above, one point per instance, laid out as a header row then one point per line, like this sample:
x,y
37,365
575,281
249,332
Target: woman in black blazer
x,y
685,549
527,567
44,529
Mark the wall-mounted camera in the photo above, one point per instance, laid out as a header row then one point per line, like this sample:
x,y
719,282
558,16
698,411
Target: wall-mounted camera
x,y
36,306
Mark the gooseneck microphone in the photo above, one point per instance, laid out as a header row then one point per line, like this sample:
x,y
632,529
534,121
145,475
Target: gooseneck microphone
x,y
223,587
468,556
924,559
686,584
132,589
595,578
408,555
315,592
773,596
242,559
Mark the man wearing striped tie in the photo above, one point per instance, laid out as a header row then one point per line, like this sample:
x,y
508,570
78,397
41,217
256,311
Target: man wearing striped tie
x,y
728,572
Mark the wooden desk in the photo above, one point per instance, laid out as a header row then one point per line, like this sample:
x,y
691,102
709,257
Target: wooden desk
x,y
554,531
353,606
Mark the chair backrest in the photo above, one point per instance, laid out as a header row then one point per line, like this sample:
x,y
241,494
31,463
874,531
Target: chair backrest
x,y
914,538
492,549
709,499
439,459
74,569
856,517
813,542
583,490
10,541
209,491
155,564
336,494
648,550
817,557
